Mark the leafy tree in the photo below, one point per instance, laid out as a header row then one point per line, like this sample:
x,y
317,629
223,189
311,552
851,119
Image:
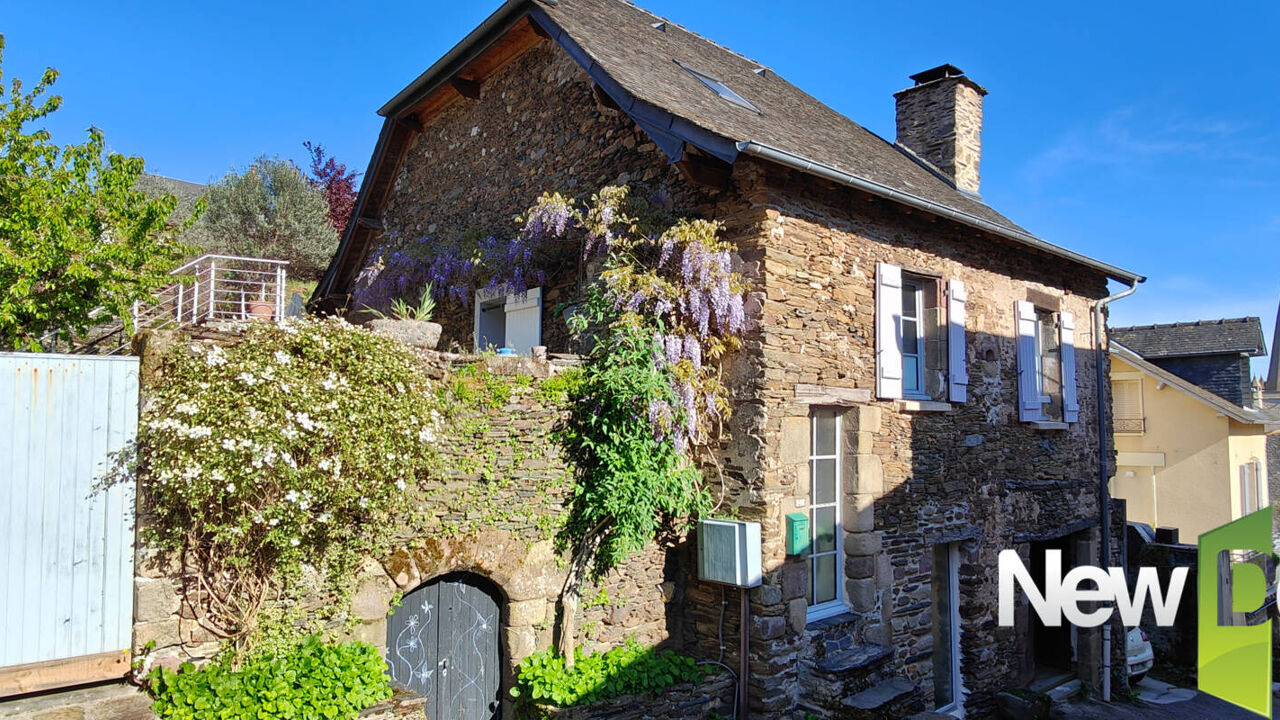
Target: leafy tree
x,y
270,210
78,243
338,184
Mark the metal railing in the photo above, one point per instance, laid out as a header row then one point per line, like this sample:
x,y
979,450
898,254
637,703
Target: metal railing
x,y
219,288
1131,426
212,288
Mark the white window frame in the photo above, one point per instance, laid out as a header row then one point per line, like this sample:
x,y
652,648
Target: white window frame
x,y
489,298
836,605
1039,362
956,706
917,287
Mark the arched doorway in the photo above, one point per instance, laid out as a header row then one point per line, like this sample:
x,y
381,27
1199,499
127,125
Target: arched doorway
x,y
442,643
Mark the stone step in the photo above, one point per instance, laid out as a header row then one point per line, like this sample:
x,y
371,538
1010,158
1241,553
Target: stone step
x,y
880,695
1065,691
855,658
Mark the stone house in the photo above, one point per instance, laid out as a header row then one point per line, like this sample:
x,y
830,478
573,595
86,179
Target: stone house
x,y
921,383
1190,436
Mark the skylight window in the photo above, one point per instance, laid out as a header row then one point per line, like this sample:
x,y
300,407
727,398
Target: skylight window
x,y
724,91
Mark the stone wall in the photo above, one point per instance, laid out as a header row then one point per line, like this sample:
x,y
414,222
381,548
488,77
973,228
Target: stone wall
x,y
493,514
914,475
712,698
537,127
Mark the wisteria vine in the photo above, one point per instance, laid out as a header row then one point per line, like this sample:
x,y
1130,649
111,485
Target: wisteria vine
x,y
672,277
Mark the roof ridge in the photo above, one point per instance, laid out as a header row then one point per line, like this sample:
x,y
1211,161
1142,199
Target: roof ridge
x,y
1188,323
700,36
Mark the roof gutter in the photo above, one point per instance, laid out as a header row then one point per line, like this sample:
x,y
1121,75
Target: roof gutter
x,y
1104,475
791,160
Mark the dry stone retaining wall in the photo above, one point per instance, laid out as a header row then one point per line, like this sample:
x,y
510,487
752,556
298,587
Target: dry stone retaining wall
x,y
491,519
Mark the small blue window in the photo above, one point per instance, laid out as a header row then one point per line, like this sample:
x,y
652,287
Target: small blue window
x,y
724,91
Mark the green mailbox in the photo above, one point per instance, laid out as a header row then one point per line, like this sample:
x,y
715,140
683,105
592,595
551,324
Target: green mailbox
x,y
797,533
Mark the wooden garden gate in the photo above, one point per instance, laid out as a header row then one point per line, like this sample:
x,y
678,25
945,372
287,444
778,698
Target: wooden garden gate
x,y
66,552
442,643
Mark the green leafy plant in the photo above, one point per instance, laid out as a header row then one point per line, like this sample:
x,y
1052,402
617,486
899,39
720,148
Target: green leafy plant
x,y
315,680
544,678
296,445
401,310
79,244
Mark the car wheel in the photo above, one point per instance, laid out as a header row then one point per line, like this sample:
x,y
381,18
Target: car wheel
x,y
1135,679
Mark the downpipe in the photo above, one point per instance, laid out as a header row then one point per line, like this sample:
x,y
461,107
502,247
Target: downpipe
x,y
1104,491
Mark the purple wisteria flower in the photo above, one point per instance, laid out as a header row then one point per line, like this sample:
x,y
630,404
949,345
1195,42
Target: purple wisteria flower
x,y
693,351
674,349
668,245
737,316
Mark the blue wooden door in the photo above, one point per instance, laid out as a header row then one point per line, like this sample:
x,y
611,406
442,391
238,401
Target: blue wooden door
x,y
442,643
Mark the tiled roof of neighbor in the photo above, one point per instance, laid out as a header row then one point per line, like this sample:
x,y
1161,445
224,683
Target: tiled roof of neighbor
x,y
658,63
1202,337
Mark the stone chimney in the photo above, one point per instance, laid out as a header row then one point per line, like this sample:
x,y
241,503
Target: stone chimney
x,y
940,120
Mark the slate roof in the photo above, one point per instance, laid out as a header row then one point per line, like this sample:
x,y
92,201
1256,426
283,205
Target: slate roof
x,y
1186,339
646,56
621,38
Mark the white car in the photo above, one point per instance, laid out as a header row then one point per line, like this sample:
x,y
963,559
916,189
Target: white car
x,y
1137,654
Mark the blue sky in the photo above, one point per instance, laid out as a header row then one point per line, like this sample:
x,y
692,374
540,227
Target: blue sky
x,y
1145,134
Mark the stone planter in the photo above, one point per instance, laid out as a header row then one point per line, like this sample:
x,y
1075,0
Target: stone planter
x,y
1022,705
416,333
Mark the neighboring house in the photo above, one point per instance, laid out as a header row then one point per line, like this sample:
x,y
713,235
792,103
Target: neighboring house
x,y
1187,457
1213,354
921,379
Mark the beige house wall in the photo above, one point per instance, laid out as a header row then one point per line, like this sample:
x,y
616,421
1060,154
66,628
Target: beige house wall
x,y
1247,442
1196,488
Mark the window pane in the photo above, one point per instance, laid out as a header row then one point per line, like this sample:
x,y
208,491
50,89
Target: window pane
x,y
824,481
824,437
824,529
909,294
824,579
943,658
910,337
911,373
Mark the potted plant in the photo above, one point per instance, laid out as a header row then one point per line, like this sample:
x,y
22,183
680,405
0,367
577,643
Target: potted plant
x,y
409,324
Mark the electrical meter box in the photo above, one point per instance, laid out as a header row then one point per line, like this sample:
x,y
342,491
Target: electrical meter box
x,y
729,552
797,533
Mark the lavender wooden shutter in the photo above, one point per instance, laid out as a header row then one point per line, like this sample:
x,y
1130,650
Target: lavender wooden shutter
x,y
1030,407
888,331
1067,345
957,371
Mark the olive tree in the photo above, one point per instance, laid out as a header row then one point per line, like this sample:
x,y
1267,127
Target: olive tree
x,y
270,210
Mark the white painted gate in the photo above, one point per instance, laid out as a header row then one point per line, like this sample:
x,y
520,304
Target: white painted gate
x,y
66,564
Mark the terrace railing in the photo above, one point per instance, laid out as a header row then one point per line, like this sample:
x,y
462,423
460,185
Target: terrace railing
x,y
210,289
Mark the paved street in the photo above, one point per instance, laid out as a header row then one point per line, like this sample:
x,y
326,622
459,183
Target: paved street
x,y
1160,701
